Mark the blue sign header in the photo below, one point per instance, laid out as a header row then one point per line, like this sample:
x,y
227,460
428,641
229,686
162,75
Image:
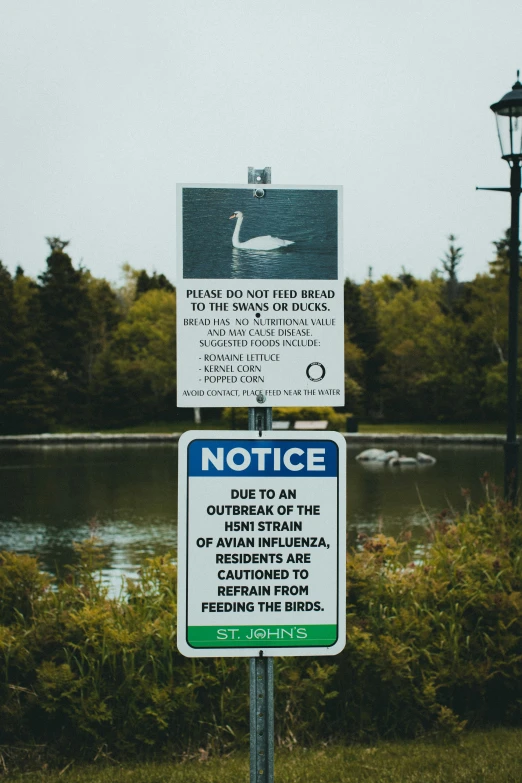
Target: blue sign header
x,y
263,457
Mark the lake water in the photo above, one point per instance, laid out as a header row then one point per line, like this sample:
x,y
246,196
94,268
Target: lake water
x,y
306,217
51,496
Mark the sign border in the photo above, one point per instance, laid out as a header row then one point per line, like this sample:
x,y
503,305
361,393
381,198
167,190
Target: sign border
x,y
183,544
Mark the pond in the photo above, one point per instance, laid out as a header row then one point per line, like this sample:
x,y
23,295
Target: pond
x,y
52,496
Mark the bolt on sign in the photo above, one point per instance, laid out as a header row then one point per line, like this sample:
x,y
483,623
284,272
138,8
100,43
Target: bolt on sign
x,y
261,544
259,296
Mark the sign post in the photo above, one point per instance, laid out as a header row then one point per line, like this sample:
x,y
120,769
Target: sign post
x,y
261,668
261,323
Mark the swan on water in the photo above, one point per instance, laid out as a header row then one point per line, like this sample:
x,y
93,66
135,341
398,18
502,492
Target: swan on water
x,y
256,243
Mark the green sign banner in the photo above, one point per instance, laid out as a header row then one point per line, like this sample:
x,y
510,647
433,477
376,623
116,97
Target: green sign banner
x,y
265,635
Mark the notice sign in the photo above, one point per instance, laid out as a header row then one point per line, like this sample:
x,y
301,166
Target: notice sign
x,y
259,296
261,544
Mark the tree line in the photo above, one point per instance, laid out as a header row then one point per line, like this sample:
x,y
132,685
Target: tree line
x,y
430,350
75,351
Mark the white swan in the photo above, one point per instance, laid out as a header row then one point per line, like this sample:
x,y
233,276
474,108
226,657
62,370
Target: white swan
x,y
256,243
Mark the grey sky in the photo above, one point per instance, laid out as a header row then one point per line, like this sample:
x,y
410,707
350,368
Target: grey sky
x,y
106,104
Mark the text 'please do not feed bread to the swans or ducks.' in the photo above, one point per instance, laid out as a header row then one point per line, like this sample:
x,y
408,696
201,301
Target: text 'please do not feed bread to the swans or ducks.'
x,y
256,243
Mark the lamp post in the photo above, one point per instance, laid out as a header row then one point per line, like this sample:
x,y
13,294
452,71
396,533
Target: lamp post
x,y
508,114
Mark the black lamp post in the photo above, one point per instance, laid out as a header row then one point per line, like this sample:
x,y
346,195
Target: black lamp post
x,y
508,113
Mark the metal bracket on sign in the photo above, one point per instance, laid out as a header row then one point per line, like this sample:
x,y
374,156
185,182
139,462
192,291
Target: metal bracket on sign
x,y
259,177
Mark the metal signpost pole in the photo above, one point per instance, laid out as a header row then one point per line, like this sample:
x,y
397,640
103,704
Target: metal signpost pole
x,y
262,667
261,719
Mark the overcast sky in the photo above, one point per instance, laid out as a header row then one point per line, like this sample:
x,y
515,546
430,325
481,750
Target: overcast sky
x,y
106,104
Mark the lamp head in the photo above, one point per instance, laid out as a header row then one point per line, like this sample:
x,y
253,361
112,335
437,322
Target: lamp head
x,y
508,114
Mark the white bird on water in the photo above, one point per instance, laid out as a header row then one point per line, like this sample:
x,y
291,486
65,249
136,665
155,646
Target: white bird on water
x,y
256,243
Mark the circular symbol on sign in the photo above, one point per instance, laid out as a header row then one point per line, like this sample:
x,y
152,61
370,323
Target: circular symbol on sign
x,y
315,371
260,633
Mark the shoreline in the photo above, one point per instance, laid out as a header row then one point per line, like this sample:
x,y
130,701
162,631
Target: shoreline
x,y
78,438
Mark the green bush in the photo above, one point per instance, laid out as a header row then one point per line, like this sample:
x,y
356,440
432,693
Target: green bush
x,y
432,645
435,643
79,670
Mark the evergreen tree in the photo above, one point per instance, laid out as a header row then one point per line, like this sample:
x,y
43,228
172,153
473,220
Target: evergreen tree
x,y
500,264
26,393
361,322
105,315
450,263
66,318
7,346
145,283
407,279
452,258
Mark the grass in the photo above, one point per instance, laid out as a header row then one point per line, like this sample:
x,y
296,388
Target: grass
x,y
493,756
483,428
159,427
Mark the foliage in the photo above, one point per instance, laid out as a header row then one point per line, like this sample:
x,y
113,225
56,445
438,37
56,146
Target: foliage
x,y
452,289
237,418
429,350
26,389
135,378
64,329
78,668
154,282
500,264
363,360
447,632
432,646
74,351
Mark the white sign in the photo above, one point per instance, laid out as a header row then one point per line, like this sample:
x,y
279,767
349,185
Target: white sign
x,y
261,544
259,296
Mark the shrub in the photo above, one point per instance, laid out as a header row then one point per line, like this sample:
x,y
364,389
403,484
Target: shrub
x,y
439,641
79,670
431,646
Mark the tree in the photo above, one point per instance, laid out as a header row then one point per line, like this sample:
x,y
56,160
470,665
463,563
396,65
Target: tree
x,y
105,313
57,244
353,374
26,393
362,332
402,315
425,373
138,370
66,318
450,263
500,264
488,335
146,283
452,258
406,278
496,388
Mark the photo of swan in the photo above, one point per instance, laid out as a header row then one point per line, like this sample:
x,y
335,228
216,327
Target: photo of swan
x,y
290,233
257,243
